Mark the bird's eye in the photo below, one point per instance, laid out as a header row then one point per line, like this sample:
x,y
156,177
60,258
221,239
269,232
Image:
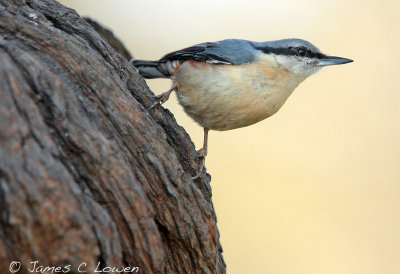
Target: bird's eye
x,y
301,52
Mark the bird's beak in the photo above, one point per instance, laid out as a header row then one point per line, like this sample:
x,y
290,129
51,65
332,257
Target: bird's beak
x,y
333,60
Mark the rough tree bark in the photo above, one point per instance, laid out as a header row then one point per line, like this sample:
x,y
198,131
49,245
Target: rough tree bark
x,y
87,174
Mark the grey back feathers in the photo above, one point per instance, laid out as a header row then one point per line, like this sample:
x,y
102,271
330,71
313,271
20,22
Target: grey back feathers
x,y
230,51
227,52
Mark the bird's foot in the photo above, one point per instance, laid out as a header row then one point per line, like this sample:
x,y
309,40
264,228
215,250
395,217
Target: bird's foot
x,y
202,153
162,98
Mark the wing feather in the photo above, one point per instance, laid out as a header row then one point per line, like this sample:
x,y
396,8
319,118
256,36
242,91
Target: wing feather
x,y
226,52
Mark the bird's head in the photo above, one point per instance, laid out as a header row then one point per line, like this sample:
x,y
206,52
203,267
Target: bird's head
x,y
298,56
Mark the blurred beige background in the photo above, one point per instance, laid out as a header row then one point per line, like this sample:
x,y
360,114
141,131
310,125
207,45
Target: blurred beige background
x,y
315,188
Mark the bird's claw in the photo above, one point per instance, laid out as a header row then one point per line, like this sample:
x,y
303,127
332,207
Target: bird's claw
x,y
197,175
162,98
201,153
199,172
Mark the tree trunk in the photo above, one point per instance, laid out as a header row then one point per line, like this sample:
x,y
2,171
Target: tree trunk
x,y
88,176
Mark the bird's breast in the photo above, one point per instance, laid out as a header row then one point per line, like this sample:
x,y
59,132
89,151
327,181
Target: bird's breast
x,y
223,97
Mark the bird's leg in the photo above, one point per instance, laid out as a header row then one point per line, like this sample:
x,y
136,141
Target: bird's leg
x,y
162,98
202,154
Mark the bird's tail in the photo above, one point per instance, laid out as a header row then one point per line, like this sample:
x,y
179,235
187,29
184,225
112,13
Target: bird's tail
x,y
151,69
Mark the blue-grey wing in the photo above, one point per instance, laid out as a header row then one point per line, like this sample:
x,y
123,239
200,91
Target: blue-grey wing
x,y
230,51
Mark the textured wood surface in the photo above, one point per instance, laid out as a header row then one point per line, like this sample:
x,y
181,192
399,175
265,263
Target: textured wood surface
x,y
87,174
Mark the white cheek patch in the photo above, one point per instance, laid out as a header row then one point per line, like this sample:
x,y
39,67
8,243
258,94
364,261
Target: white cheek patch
x,y
292,63
297,65
287,61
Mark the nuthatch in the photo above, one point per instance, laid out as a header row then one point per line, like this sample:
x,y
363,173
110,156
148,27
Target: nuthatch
x,y
235,83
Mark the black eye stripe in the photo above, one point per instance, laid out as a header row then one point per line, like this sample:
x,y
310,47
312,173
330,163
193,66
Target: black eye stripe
x,y
291,51
301,52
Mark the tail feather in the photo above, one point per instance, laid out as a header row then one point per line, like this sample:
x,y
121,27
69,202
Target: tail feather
x,y
150,69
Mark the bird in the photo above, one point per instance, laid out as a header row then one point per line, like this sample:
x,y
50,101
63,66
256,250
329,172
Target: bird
x,y
235,83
